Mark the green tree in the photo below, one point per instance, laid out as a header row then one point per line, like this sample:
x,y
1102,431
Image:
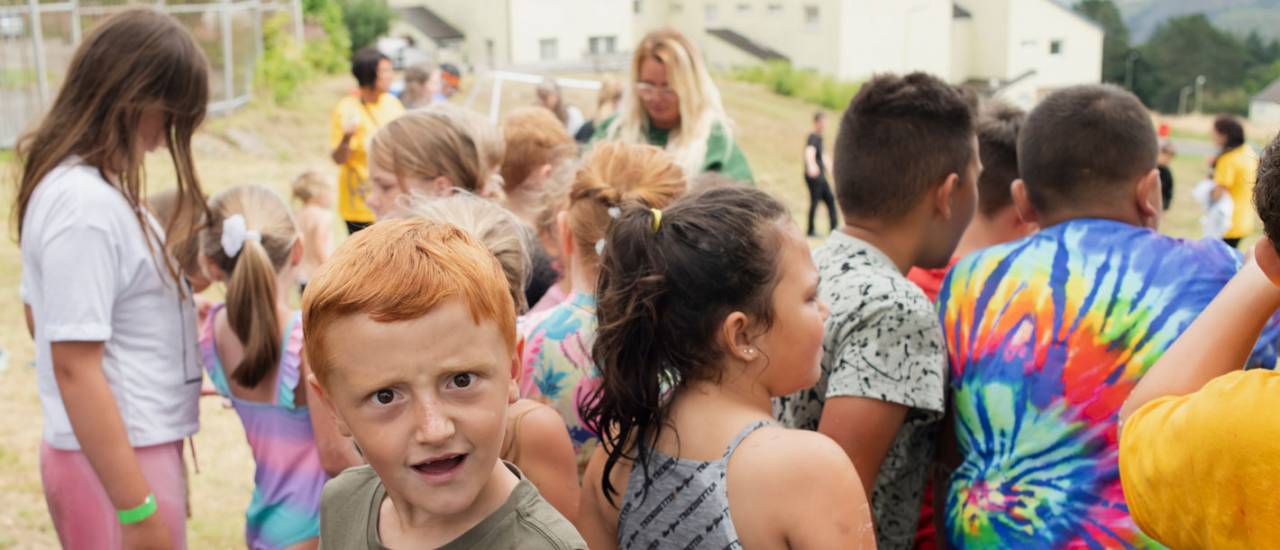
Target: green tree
x,y
366,20
1184,48
1115,44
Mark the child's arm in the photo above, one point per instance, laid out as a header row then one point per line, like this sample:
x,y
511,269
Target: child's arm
x,y
337,452
317,236
1220,339
547,459
865,429
597,520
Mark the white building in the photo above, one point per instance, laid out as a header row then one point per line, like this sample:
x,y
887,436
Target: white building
x,y
503,33
1018,49
1264,109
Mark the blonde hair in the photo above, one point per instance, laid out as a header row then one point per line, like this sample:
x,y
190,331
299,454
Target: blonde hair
x,y
533,138
614,175
491,148
251,272
182,238
701,109
309,185
607,99
398,270
498,230
429,143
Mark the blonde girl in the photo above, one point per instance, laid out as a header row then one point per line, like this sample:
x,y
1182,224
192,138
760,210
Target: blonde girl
x,y
252,350
426,152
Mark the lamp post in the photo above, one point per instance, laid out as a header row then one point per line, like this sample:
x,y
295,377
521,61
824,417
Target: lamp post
x,y
1199,93
1182,100
1129,62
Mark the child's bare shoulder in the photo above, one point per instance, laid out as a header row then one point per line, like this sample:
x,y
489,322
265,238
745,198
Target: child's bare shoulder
x,y
538,422
783,457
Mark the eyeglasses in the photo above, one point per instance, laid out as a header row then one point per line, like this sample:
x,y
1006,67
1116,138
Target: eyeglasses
x,y
645,88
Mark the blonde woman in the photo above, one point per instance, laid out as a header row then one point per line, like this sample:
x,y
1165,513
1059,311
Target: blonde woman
x,y
674,105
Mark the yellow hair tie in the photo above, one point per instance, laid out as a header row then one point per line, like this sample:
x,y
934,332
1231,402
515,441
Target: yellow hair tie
x,y
657,219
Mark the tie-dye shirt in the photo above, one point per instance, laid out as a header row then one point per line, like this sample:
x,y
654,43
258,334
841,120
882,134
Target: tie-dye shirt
x,y
1047,336
558,369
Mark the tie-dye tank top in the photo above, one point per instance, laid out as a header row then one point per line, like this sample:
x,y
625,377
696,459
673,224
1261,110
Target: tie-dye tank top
x,y
289,479
557,365
1047,336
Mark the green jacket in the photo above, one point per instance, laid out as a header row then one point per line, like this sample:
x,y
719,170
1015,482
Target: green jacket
x,y
723,154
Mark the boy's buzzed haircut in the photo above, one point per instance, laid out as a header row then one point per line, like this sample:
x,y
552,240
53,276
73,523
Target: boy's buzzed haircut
x,y
899,137
1266,193
1084,144
998,127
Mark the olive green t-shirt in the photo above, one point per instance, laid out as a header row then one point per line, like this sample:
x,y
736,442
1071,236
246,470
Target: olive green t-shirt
x,y
723,154
351,502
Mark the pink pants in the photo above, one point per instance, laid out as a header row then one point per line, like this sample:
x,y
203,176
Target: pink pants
x,y
82,513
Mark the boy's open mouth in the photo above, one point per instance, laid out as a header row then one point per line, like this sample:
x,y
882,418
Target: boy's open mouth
x,y
441,466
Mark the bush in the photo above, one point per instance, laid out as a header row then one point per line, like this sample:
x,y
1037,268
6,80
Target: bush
x,y
332,55
284,66
782,78
366,20
1233,100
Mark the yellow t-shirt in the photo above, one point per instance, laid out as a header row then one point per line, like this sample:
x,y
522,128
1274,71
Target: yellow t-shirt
x,y
1237,170
1203,470
353,175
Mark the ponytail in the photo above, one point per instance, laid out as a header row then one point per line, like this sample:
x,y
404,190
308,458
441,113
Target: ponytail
x,y
667,281
251,312
251,237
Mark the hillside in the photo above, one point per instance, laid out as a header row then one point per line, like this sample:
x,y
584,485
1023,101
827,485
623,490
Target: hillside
x,y
1238,16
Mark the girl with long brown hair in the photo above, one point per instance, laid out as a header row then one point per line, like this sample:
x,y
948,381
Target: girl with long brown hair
x,y
115,325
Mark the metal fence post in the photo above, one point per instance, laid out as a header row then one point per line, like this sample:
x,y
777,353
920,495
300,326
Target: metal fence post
x,y
299,31
227,54
37,44
76,31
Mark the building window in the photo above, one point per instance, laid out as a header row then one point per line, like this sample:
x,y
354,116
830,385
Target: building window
x,y
811,18
744,9
676,7
600,45
775,9
712,14
635,7
1055,47
549,49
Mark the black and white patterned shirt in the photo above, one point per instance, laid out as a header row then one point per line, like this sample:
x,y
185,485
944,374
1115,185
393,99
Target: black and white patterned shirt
x,y
883,341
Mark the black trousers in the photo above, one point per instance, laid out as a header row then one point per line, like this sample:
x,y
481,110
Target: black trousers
x,y
820,191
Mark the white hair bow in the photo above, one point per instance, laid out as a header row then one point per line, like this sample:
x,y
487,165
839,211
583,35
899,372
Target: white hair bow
x,y
235,233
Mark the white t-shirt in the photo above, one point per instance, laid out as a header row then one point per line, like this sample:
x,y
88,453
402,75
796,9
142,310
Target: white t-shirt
x,y
89,276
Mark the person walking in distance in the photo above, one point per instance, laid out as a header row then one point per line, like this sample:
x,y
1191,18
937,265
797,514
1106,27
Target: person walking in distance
x,y
815,175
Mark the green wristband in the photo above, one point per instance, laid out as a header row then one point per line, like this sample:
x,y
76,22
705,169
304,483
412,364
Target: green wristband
x,y
141,512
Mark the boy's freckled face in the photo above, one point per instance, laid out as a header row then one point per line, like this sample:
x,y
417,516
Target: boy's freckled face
x,y
426,400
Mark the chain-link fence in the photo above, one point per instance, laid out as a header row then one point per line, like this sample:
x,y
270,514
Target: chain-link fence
x,y
38,38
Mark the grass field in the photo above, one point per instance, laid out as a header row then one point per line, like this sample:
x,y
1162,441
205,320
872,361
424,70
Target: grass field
x,y
270,146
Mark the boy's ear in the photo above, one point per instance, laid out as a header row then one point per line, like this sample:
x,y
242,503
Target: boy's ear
x,y
1148,199
513,390
1022,202
944,193
328,404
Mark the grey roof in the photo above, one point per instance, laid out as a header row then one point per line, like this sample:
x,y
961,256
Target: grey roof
x,y
1270,94
751,47
432,25
958,12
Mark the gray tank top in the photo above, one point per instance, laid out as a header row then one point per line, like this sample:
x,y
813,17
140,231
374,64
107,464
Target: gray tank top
x,y
686,505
